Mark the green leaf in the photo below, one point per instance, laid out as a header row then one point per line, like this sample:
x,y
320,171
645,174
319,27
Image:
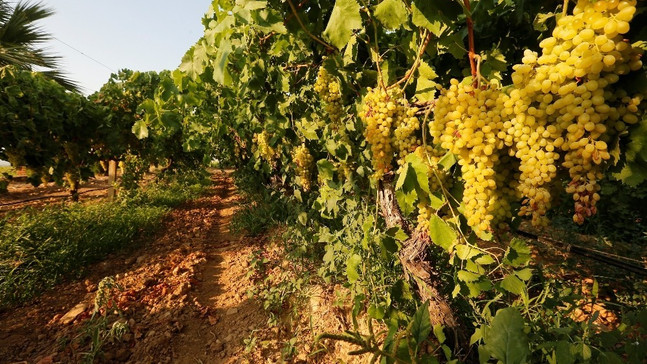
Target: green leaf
x,y
512,284
140,129
468,277
563,353
518,253
389,244
421,168
429,21
425,86
220,72
505,339
397,233
420,326
326,169
524,274
440,335
391,13
303,218
464,252
352,265
441,233
485,260
447,161
344,19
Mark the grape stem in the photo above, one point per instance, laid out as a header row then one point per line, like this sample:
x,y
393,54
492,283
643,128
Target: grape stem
x,y
378,58
407,77
317,39
470,36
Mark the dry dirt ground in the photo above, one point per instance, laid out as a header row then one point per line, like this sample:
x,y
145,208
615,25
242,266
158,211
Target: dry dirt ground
x,y
183,296
22,194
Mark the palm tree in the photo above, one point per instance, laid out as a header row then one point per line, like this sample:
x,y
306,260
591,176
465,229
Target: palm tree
x,y
21,40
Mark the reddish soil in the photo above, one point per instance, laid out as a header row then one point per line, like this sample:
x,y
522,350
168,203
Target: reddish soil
x,y
22,194
183,297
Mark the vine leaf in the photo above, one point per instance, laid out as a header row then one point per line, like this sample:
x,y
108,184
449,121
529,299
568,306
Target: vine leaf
x,y
518,253
352,264
434,14
505,339
420,326
441,233
140,129
344,19
391,13
512,284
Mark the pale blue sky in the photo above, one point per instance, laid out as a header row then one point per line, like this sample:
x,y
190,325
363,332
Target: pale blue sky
x,y
143,35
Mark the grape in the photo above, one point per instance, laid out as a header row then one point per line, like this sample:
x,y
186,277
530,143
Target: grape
x,y
263,147
329,91
304,162
391,126
468,122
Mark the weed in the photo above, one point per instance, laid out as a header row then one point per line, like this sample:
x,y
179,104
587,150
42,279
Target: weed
x,y
40,248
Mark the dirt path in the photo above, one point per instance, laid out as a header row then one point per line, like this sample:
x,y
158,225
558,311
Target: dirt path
x,y
183,297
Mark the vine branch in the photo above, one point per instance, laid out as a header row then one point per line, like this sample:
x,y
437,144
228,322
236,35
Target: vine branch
x,y
470,35
416,63
314,37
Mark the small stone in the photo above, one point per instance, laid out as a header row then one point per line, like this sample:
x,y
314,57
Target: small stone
x,y
245,264
232,311
140,259
212,320
129,261
72,314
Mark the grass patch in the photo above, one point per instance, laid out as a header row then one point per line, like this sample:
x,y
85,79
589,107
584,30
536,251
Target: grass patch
x,y
40,248
8,170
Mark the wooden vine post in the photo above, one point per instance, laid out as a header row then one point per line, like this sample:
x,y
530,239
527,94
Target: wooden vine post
x,y
112,178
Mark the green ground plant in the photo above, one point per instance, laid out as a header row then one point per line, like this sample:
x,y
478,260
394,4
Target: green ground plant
x,y
40,248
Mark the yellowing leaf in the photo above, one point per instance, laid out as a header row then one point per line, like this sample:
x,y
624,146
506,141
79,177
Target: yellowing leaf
x,y
344,19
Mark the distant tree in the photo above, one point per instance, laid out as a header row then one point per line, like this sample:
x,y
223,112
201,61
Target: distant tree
x,y
21,40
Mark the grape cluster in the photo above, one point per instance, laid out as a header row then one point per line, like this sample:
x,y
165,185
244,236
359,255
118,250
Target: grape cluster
x,y
263,146
329,91
563,102
468,122
391,126
304,161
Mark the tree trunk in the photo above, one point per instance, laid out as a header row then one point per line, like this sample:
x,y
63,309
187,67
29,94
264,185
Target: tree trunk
x,y
112,177
417,265
73,182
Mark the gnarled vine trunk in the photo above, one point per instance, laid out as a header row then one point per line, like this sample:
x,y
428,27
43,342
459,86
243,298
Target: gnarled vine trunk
x,y
417,265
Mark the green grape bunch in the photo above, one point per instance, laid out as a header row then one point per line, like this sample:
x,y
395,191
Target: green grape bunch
x,y
304,162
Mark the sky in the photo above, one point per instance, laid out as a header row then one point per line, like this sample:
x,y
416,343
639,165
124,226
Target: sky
x,y
142,35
